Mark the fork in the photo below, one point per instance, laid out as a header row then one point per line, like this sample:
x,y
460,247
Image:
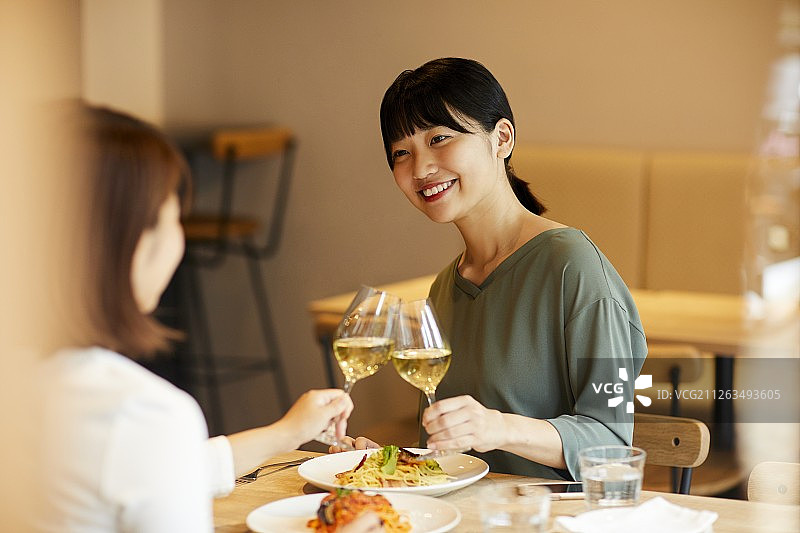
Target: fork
x,y
252,476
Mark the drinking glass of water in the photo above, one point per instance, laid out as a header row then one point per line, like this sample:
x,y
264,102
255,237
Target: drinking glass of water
x,y
612,475
514,508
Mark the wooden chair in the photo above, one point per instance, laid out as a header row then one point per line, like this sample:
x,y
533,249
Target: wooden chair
x,y
212,237
673,364
685,367
672,441
774,482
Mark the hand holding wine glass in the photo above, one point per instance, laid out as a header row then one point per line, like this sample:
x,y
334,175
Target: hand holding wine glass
x,y
422,353
364,341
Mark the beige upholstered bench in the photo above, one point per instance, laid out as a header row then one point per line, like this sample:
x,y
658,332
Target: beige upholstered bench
x,y
666,220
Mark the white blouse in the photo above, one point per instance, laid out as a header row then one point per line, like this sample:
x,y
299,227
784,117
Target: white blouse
x,y
125,450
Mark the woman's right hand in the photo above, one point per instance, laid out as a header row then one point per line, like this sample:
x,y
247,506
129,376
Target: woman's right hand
x,y
314,410
359,443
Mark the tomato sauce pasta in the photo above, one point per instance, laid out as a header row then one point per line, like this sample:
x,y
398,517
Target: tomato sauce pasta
x,y
341,507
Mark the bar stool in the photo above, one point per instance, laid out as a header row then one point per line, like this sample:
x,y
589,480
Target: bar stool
x,y
211,238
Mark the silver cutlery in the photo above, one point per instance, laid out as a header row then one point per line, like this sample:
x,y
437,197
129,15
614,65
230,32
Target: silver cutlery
x,y
252,476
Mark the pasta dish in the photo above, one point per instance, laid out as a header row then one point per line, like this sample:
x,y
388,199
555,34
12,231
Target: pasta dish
x,y
393,467
341,507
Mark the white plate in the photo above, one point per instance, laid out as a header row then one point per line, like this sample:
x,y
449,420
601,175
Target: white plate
x,y
465,469
290,515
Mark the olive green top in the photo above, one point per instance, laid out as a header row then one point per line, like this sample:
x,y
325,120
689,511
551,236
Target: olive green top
x,y
550,325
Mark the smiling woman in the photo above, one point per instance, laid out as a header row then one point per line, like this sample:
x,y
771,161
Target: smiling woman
x,y
444,100
534,311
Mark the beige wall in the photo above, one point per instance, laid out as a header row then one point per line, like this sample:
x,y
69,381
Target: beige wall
x,y
668,74
122,55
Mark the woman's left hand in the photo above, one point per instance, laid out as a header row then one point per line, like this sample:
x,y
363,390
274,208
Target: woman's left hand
x,y
462,422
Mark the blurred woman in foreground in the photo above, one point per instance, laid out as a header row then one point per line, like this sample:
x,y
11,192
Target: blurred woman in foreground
x,y
124,449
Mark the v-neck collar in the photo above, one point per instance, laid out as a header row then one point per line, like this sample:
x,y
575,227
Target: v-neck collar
x,y
475,290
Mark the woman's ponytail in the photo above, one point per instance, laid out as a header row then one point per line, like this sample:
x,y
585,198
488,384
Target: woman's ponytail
x,y
523,192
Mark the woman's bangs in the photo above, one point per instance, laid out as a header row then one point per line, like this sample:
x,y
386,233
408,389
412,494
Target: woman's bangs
x,y
410,110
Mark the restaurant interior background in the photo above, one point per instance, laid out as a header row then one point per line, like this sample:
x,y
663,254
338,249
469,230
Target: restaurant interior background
x,y
632,74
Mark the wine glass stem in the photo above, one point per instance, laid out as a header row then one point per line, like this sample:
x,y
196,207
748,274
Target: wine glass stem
x,y
329,435
348,386
431,396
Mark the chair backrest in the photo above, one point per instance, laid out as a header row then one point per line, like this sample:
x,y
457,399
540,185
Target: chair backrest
x,y
248,143
232,146
671,441
774,482
662,359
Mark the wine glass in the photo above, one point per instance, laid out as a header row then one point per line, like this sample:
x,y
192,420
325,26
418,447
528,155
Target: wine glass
x,y
364,341
422,353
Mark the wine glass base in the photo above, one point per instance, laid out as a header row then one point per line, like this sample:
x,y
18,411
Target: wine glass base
x,y
341,445
329,437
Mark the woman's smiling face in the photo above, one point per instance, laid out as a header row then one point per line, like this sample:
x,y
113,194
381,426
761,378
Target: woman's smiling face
x,y
446,173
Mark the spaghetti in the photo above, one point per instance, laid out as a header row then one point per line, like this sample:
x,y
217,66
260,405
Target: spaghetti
x,y
341,507
393,467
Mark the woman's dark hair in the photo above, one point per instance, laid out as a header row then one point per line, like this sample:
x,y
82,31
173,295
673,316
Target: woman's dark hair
x,y
130,169
449,92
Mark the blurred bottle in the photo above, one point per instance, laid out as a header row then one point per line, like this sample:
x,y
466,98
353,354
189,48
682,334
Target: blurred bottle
x,y
773,187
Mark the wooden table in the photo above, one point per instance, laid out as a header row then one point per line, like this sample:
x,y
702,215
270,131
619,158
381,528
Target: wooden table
x,y
716,323
735,516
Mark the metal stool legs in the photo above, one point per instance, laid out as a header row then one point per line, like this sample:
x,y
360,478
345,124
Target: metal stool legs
x,y
211,372
212,238
327,351
200,343
274,362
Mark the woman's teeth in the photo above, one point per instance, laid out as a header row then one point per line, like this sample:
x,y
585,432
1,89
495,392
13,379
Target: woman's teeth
x,y
437,188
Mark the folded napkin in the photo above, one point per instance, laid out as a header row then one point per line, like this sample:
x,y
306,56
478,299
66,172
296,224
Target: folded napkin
x,y
654,516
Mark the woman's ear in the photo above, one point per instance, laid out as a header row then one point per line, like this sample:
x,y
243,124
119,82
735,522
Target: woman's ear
x,y
505,137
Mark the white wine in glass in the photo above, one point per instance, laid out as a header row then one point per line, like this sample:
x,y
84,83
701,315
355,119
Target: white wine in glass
x,y
422,353
423,368
360,357
364,341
